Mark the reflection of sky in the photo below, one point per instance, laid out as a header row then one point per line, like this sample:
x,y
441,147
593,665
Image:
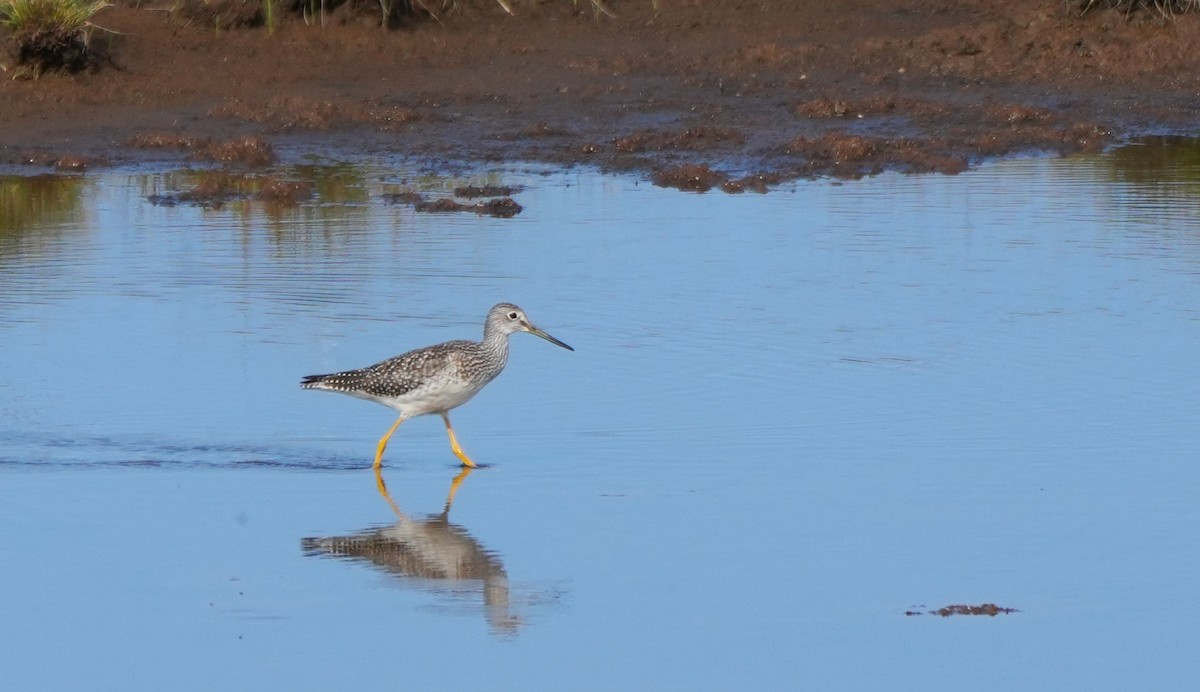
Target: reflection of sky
x,y
790,418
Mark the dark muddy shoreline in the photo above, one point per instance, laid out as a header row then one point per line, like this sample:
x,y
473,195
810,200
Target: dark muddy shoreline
x,y
737,95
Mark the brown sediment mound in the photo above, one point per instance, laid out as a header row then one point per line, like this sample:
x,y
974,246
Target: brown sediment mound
x,y
474,191
500,207
214,189
852,156
505,207
691,177
248,151
693,139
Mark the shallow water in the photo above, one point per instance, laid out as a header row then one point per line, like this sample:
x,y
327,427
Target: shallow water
x,y
791,418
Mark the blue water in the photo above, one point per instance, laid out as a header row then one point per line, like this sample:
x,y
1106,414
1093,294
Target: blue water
x,y
790,419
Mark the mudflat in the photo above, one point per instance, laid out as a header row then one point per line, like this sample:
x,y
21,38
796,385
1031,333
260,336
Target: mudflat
x,y
692,93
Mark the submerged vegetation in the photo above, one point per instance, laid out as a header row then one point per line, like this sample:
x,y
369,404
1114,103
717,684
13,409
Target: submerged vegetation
x,y
1166,8
48,35
40,201
230,14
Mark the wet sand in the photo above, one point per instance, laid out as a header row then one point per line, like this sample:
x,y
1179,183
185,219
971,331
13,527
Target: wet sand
x,y
696,95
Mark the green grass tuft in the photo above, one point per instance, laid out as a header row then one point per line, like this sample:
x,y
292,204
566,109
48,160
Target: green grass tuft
x,y
59,16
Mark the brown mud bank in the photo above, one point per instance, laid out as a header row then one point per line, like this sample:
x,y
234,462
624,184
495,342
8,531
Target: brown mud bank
x,y
698,94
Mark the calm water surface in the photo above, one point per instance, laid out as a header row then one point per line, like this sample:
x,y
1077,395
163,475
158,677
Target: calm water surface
x,y
790,419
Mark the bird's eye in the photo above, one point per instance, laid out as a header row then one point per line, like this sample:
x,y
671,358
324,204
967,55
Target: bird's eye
x,y
512,315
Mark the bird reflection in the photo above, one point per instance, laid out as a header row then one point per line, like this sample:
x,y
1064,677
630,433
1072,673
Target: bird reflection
x,y
429,553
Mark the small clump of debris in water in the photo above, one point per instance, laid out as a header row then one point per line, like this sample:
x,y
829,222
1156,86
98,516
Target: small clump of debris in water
x,y
503,207
989,609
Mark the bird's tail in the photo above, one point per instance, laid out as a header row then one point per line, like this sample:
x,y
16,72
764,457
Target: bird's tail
x,y
313,382
347,382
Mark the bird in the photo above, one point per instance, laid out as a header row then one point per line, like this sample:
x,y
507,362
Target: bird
x,y
434,379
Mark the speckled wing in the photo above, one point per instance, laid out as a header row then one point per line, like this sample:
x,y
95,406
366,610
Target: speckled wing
x,y
394,377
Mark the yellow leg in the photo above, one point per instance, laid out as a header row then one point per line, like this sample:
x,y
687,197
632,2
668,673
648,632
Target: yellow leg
x,y
466,460
454,487
384,440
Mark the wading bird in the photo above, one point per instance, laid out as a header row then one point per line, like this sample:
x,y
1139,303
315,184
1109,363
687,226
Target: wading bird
x,y
436,378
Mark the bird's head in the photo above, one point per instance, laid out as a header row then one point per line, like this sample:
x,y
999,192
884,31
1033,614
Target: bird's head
x,y
509,318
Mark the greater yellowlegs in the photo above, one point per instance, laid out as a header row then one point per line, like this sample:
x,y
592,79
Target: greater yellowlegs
x,y
437,378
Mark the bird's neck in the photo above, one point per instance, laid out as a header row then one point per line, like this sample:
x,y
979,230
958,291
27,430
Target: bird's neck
x,y
495,343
